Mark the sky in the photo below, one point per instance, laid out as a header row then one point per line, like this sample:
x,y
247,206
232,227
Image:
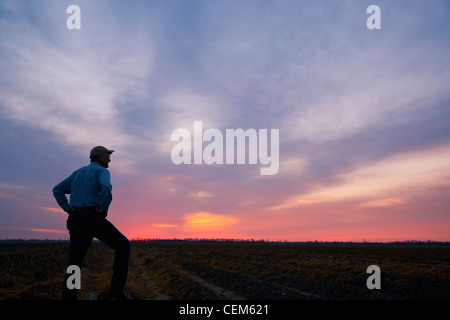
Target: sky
x,y
363,116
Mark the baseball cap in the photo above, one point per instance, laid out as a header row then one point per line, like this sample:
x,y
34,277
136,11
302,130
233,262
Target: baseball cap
x,y
99,150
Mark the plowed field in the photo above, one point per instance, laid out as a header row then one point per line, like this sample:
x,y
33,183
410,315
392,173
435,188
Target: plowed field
x,y
268,271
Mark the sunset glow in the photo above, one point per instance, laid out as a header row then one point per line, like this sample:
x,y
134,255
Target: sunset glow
x,y
205,221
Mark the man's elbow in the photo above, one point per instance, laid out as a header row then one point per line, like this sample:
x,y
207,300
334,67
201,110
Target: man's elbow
x,y
57,192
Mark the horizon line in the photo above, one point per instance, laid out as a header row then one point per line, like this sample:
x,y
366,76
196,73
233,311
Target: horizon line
x,y
233,240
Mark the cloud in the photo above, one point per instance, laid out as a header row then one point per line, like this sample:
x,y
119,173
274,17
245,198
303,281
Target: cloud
x,y
51,209
47,230
70,89
202,194
12,186
381,203
164,225
13,191
205,221
382,182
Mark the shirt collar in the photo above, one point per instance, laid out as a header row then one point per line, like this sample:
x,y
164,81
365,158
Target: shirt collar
x,y
95,163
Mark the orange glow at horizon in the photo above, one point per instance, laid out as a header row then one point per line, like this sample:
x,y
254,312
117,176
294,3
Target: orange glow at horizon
x,y
195,225
51,209
47,230
205,221
327,223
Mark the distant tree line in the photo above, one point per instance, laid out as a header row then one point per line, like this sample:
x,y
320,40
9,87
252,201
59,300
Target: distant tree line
x,y
219,240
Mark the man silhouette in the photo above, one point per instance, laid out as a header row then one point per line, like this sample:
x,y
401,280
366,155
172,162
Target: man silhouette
x,y
90,196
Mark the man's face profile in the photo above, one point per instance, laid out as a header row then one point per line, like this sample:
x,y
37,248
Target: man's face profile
x,y
104,159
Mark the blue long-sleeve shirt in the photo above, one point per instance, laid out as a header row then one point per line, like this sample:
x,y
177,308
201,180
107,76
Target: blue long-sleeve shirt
x,y
89,186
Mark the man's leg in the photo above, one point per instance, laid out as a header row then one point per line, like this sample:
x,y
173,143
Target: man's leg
x,y
80,240
107,233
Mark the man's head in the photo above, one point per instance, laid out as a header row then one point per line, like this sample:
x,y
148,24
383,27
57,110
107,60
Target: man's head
x,y
101,155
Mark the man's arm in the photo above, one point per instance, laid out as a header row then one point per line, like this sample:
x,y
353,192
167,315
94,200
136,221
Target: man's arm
x,y
60,191
105,195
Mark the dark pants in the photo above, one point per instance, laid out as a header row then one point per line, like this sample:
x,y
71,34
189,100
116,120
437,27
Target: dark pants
x,y
83,226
